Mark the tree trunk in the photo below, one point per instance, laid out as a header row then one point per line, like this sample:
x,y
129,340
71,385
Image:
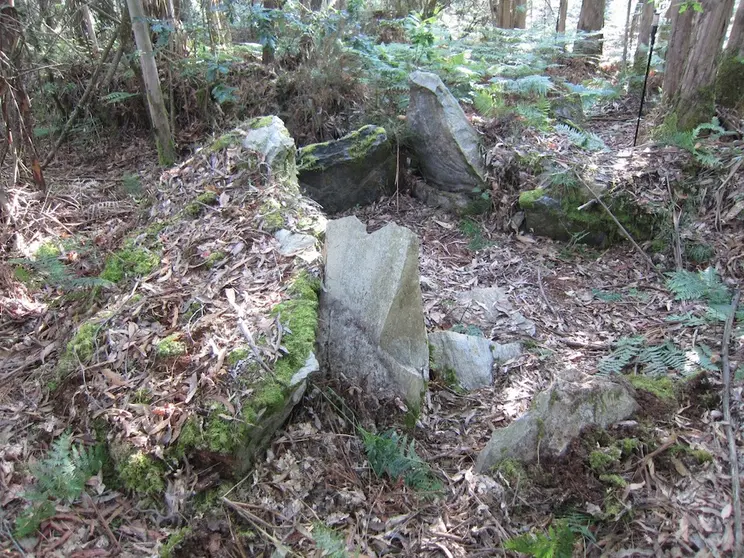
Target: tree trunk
x,y
267,55
158,113
90,29
644,36
677,51
505,14
560,25
520,14
694,99
730,84
626,35
591,21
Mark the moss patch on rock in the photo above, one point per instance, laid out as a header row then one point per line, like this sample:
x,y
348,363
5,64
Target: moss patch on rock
x,y
139,472
663,387
170,347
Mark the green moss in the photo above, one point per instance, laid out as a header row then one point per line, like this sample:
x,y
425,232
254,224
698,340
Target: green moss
x,y
730,84
512,470
142,396
360,142
225,140
614,480
602,460
214,258
170,548
662,387
261,122
527,199
170,347
219,432
130,261
48,250
79,350
271,215
236,355
196,207
629,445
699,455
141,474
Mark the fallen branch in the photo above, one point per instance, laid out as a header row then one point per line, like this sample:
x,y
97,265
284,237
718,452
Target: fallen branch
x,y
729,427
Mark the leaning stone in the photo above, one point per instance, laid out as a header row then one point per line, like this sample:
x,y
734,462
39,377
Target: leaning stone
x,y
446,145
371,313
470,357
568,109
297,244
558,416
354,170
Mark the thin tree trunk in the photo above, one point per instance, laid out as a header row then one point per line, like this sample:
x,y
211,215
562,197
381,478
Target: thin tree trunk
x,y
730,84
520,14
644,36
626,35
90,29
267,55
694,101
677,50
155,102
560,25
591,21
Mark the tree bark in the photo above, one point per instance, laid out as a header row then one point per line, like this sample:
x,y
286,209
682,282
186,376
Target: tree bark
x,y
626,35
158,113
694,99
644,36
520,14
90,29
560,25
677,50
730,84
505,14
591,21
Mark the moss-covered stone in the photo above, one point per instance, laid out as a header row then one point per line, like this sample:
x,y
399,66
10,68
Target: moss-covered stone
x,y
229,139
613,480
236,355
170,346
271,216
661,387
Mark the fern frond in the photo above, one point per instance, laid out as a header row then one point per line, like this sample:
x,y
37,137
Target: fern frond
x,y
627,349
702,285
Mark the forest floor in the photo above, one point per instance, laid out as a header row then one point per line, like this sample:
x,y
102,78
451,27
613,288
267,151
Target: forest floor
x,y
315,488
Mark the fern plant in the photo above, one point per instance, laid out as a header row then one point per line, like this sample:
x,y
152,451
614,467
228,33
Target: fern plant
x,y
60,477
580,138
329,542
701,285
558,542
392,455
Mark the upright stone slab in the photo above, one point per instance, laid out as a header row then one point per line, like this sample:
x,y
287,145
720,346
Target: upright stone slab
x,y
354,170
446,145
371,313
268,136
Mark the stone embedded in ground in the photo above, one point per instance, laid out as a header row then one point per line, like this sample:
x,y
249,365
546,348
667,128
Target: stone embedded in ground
x,y
355,170
445,144
371,325
565,213
269,136
568,109
558,416
491,306
297,244
470,357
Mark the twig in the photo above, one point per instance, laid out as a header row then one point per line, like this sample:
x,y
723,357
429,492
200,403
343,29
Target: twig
x,y
661,449
247,334
82,103
623,229
675,220
729,427
257,522
542,292
104,523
